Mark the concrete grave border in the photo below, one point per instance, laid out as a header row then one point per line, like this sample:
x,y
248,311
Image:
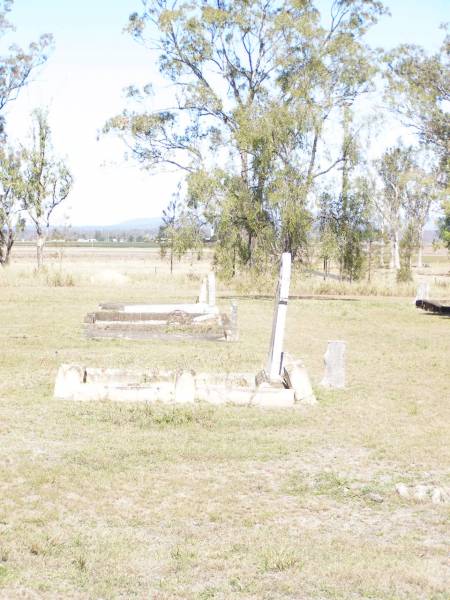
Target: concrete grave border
x,y
284,383
193,321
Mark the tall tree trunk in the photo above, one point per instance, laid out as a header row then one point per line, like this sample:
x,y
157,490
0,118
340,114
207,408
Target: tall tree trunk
x,y
392,249
6,244
370,262
395,251
420,251
9,246
40,243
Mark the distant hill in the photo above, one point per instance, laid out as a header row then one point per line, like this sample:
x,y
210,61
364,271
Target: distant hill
x,y
143,224
151,223
147,227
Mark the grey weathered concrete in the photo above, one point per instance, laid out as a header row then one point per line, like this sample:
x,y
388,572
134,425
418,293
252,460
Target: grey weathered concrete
x,y
297,378
74,382
185,388
211,289
68,380
334,359
203,296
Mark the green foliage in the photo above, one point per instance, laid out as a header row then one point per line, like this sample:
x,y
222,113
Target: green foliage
x,y
58,278
423,191
419,91
256,84
410,189
444,225
393,168
408,245
180,231
15,70
280,559
344,226
47,180
12,185
345,220
17,66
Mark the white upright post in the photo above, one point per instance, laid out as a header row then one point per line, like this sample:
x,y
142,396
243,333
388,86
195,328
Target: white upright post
x,y
275,359
423,292
211,289
203,296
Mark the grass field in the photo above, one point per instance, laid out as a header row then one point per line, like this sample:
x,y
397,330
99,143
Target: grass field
x,y
103,501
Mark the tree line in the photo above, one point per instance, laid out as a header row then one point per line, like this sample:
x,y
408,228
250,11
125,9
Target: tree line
x,y
267,124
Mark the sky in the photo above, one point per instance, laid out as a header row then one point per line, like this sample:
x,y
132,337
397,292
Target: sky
x,y
82,85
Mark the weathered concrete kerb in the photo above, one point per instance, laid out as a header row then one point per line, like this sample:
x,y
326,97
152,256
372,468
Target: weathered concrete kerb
x,y
74,382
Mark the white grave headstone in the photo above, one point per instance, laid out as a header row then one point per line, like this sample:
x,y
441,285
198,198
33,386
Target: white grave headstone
x,y
334,359
297,378
275,359
68,379
203,296
185,388
423,292
211,289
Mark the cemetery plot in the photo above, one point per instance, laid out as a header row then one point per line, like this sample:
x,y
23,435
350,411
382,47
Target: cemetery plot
x,y
74,382
282,383
199,320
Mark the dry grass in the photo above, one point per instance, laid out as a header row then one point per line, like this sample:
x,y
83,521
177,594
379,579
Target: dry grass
x,y
153,502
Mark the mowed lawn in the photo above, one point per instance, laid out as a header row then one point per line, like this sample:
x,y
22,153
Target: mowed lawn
x,y
101,500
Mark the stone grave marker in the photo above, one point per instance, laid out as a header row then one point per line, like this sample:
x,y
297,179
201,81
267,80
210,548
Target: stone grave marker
x,y
211,289
423,292
334,359
203,296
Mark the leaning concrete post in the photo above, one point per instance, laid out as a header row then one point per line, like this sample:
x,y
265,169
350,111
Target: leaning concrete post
x,y
211,289
275,359
334,359
203,296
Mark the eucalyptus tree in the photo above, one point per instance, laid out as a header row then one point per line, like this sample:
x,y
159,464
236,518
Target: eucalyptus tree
x,y
394,169
421,193
18,64
419,92
444,225
255,83
47,181
11,190
180,231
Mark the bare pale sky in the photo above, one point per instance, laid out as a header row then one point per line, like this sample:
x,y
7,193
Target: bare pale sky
x,y
82,86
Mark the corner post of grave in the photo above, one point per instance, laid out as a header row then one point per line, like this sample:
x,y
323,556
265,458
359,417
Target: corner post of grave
x,y
203,296
275,358
211,289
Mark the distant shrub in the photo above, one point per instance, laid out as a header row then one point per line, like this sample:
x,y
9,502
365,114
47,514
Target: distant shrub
x,y
60,279
404,274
